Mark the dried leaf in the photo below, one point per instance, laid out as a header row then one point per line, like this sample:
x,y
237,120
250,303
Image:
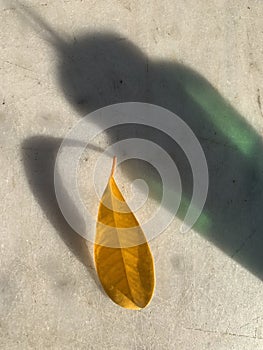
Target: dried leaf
x,y
123,259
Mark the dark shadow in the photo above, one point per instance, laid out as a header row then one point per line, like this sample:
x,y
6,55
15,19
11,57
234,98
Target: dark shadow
x,y
99,69
39,154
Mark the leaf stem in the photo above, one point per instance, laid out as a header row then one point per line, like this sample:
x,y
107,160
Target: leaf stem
x,y
114,163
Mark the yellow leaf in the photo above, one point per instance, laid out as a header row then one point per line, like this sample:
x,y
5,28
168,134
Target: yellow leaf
x,y
123,259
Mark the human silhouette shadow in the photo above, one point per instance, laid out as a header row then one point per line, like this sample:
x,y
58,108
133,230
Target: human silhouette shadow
x,y
104,68
98,69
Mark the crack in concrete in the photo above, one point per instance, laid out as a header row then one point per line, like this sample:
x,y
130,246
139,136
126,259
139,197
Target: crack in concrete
x,y
242,245
259,102
224,333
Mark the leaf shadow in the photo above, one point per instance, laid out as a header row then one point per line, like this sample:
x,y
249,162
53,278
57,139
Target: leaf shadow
x,y
39,155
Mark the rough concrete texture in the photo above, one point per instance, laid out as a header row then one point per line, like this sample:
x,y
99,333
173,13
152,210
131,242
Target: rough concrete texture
x,y
201,59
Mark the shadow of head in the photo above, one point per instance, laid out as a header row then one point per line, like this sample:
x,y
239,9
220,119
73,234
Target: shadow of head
x,y
102,69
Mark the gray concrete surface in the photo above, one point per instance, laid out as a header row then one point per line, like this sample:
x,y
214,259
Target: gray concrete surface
x,y
201,59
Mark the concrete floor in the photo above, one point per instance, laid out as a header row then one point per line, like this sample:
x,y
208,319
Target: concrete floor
x,y
208,281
